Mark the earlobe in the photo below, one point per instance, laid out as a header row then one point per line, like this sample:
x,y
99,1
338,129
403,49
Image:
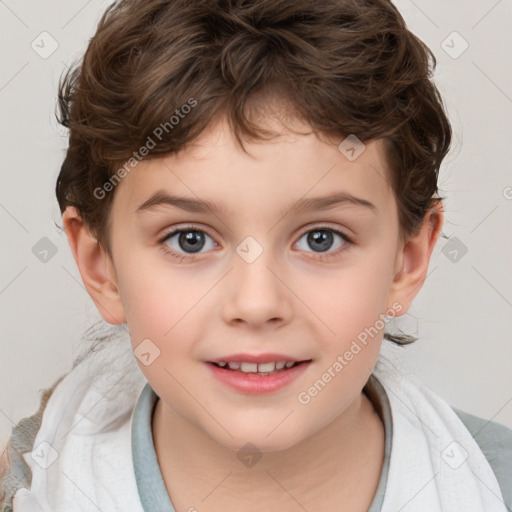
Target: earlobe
x,y
414,260
95,267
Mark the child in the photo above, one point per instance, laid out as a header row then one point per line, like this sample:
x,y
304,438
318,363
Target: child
x,y
248,371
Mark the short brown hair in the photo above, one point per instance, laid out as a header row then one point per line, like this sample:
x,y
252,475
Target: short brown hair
x,y
344,66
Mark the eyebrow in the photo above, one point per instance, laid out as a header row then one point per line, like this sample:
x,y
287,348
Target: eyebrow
x,y
162,198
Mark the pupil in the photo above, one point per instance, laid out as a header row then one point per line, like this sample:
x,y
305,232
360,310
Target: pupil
x,y
195,239
321,237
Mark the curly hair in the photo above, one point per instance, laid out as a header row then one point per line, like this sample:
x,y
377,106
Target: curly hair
x,y
344,67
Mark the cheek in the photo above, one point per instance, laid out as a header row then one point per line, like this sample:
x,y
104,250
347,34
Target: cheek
x,y
163,307
352,304
350,299
160,317
353,311
153,297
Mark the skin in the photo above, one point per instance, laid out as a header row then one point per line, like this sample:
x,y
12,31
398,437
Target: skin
x,y
315,455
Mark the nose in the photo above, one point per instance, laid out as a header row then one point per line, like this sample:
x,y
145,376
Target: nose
x,y
256,294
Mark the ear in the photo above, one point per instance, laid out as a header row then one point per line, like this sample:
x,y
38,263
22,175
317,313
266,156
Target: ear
x,y
413,260
95,267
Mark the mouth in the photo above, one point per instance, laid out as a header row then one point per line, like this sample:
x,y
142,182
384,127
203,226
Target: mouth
x,y
257,374
263,369
257,378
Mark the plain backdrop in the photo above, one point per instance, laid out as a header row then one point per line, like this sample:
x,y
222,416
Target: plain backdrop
x,y
462,315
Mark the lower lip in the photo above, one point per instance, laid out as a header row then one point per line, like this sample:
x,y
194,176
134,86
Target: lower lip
x,y
253,384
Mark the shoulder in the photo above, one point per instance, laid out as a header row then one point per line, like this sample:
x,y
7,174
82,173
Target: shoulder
x,y
14,471
495,441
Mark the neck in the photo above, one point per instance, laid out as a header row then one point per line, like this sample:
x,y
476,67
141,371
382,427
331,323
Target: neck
x,y
328,466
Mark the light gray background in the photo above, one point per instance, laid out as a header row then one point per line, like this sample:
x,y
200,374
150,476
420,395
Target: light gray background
x,y
463,312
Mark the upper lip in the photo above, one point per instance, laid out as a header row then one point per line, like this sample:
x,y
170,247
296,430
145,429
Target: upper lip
x,y
256,358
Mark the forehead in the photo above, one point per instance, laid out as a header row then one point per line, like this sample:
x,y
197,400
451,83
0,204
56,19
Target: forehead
x,y
275,172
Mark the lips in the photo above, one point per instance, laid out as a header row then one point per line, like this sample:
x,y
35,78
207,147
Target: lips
x,y
257,378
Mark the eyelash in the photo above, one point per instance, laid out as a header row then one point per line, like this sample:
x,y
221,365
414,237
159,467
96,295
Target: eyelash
x,y
322,257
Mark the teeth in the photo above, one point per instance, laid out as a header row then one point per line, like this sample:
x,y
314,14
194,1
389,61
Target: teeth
x,y
263,368
249,367
266,367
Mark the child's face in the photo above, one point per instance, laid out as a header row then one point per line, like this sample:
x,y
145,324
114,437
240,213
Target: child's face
x,y
227,298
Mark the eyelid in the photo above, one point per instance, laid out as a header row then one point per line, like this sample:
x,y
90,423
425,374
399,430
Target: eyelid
x,y
186,227
322,226
302,231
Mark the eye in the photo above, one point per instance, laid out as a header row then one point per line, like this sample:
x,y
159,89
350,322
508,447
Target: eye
x,y
321,239
184,242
